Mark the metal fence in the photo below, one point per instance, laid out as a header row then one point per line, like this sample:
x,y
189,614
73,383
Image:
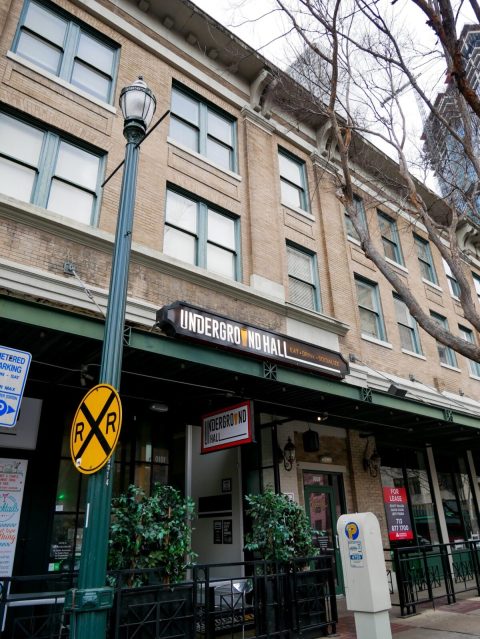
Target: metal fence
x,y
257,599
422,574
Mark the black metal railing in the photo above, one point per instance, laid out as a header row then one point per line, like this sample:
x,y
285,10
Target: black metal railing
x,y
262,599
437,571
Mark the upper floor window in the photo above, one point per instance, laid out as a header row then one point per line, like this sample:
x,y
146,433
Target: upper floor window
x,y
293,180
390,239
360,208
476,283
425,260
445,353
303,287
40,167
467,335
371,316
62,45
204,128
452,282
407,326
198,234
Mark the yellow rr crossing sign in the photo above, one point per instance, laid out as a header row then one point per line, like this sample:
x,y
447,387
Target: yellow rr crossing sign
x,y
96,429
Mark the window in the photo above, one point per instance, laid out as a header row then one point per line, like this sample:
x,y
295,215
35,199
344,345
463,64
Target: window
x,y
476,283
199,234
203,128
445,353
467,335
424,254
390,240
40,167
371,319
452,282
351,231
407,326
293,180
61,45
302,278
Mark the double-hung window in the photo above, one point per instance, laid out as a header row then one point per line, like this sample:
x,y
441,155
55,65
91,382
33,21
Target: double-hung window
x,y
390,239
303,286
40,167
371,317
67,48
203,128
407,327
445,353
201,235
425,260
293,181
452,282
467,335
360,209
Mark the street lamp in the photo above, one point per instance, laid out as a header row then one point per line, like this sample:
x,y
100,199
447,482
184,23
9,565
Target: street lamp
x,y
92,599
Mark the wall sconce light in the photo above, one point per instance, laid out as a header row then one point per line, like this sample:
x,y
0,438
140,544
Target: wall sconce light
x,y
159,407
289,455
371,460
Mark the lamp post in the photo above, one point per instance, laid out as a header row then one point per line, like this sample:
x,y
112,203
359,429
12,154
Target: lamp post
x,y
138,104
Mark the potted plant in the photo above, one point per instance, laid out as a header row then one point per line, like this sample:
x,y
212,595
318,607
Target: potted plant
x,y
151,532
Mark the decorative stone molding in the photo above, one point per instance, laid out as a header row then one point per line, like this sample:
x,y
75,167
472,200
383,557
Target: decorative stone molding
x,y
261,92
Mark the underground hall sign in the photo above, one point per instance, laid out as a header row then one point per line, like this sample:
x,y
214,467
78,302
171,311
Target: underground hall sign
x,y
182,319
398,514
227,427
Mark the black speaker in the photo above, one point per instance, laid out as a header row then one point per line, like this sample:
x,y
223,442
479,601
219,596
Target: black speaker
x,y
311,441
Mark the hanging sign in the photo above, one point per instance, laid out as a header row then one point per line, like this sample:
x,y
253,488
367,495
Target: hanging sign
x,y
96,429
14,365
398,514
226,428
182,319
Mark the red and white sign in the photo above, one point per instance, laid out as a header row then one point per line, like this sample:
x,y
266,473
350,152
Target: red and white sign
x,y
398,514
226,428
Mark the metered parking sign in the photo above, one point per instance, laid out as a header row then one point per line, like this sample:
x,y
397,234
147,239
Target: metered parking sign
x,y
14,365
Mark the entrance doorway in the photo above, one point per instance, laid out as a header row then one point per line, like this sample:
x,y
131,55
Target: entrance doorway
x,y
324,503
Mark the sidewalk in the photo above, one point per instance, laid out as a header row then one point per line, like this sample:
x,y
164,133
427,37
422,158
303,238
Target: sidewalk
x,y
457,621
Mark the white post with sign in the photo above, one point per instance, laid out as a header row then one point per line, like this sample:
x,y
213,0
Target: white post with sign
x,y
365,575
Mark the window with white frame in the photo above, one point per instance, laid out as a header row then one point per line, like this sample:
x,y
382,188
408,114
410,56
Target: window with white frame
x,y
453,286
293,181
203,128
407,327
200,234
467,335
303,287
371,316
67,48
445,353
390,239
360,208
425,259
41,167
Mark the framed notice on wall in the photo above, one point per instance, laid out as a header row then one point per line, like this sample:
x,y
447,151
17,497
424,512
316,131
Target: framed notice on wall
x,y
217,531
227,531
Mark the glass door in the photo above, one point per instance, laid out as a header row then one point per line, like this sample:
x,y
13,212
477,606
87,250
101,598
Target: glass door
x,y
321,507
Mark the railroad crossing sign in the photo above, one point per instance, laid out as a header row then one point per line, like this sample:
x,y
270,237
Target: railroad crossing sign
x,y
96,429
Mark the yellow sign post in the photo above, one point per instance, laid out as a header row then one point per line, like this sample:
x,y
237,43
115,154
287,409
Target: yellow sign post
x,y
96,429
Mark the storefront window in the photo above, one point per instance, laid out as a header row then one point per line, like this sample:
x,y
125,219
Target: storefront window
x,y
141,457
406,470
457,498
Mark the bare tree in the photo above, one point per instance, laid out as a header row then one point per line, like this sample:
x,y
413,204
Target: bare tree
x,y
353,63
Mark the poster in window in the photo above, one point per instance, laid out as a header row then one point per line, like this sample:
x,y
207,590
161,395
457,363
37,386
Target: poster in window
x,y
398,515
12,483
227,531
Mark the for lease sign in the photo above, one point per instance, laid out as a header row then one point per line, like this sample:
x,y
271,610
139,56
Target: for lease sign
x,y
398,515
226,428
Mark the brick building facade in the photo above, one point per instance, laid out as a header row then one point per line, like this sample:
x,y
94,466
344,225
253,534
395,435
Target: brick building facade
x,y
236,214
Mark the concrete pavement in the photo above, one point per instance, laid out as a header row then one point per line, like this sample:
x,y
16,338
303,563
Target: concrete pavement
x,y
457,621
